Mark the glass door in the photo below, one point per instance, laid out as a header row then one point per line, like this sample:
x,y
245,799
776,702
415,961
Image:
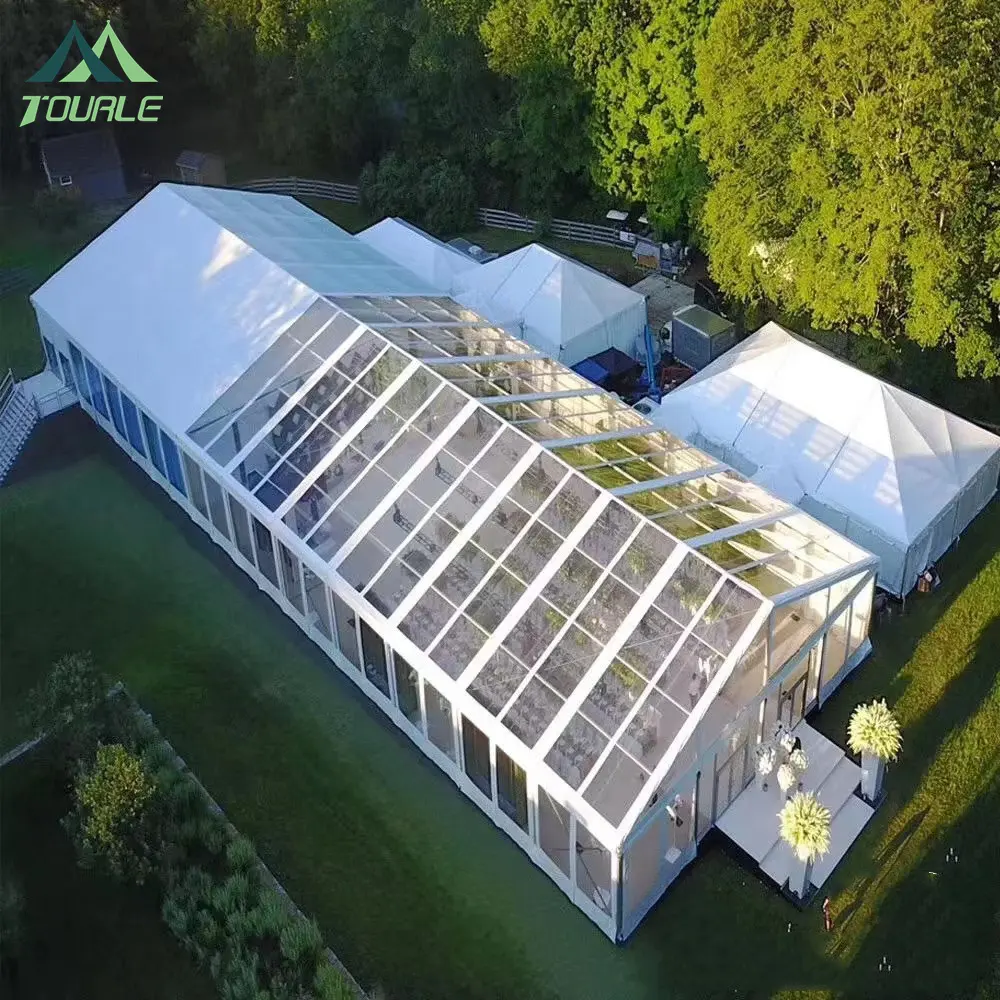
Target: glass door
x,y
729,779
792,705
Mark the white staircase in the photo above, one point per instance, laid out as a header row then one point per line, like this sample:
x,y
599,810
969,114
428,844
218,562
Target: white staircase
x,y
18,415
751,821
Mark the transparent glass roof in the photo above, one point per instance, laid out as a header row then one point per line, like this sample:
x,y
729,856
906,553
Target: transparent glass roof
x,y
582,574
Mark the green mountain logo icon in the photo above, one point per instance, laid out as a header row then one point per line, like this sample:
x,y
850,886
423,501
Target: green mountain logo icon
x,y
90,60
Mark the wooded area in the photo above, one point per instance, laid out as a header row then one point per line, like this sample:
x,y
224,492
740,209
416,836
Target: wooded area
x,y
837,160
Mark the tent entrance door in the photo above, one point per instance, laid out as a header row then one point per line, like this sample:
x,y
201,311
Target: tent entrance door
x,y
730,778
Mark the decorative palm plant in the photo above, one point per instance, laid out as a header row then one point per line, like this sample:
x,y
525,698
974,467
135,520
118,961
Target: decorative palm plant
x,y
873,732
804,824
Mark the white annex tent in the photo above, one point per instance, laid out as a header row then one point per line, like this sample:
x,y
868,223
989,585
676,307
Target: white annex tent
x,y
565,308
895,473
423,254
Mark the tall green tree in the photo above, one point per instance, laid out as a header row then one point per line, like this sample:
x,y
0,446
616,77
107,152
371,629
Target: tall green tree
x,y
854,151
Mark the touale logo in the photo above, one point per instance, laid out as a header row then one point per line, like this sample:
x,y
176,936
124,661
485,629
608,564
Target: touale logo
x,y
76,108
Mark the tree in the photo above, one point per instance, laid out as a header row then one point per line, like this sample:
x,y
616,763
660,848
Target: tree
x,y
70,706
447,199
111,821
854,154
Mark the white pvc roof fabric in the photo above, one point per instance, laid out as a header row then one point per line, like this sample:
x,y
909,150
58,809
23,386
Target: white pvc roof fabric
x,y
222,274
427,257
816,426
556,300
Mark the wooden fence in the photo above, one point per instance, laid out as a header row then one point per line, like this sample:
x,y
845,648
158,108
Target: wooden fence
x,y
492,218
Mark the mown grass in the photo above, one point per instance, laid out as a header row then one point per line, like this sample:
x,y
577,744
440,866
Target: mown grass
x,y
82,934
411,884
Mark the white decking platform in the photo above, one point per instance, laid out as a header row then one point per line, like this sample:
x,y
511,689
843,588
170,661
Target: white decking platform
x,y
751,821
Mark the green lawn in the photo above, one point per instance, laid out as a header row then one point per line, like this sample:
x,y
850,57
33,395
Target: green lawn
x,y
83,935
24,244
412,886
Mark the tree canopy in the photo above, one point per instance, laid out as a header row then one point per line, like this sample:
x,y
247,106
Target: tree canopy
x,y
853,148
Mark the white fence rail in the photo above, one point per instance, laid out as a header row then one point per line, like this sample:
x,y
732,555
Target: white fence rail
x,y
492,218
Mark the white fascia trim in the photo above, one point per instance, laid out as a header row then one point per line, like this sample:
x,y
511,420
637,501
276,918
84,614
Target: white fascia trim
x,y
516,613
534,397
820,582
294,400
458,542
596,438
655,484
269,383
737,529
472,359
612,647
341,445
460,610
434,449
687,730
660,671
434,507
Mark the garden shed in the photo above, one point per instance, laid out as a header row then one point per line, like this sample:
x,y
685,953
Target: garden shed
x,y
201,168
582,620
897,474
87,162
562,307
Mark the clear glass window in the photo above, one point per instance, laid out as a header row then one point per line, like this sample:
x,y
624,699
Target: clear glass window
x,y
512,790
347,636
376,667
217,506
407,689
476,753
195,489
440,729
241,528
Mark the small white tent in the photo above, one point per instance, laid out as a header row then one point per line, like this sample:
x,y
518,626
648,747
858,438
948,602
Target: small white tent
x,y
895,473
427,257
564,308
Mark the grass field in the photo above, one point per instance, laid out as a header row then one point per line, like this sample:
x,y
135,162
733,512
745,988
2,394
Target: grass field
x,y
412,886
83,935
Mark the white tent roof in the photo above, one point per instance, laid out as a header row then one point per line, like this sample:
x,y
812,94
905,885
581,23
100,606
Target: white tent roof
x,y
224,273
814,425
421,253
555,298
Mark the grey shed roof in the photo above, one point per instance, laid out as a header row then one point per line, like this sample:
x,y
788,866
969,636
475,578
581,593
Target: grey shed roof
x,y
704,321
191,159
81,153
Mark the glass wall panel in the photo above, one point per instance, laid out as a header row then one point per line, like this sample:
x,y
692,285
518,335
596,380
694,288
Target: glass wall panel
x,y
196,490
241,528
705,786
172,460
553,830
317,613
476,747
50,354
291,578
376,667
132,429
96,390
642,863
861,616
347,636
512,790
440,729
81,373
217,507
835,647
407,689
67,372
265,550
153,443
593,868
114,401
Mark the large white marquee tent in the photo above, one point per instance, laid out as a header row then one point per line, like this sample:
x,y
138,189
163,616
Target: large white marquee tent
x,y
430,258
900,476
564,308
585,622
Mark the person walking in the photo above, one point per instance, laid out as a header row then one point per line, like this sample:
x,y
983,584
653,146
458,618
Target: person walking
x,y
827,917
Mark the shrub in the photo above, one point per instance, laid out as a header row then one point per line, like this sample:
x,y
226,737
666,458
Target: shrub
x,y
447,199
111,821
301,942
58,210
805,826
392,188
241,854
